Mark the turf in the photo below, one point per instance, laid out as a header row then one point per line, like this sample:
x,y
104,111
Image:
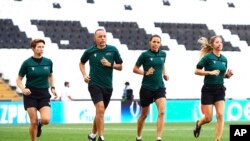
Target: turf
x,y
113,132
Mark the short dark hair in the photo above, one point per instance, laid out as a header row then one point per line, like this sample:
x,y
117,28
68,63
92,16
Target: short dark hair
x,y
66,83
155,35
34,42
126,83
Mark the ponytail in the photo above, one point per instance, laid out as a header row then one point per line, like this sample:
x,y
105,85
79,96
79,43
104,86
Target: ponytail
x,y
205,46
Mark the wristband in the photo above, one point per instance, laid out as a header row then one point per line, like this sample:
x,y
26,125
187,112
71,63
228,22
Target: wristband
x,y
226,76
112,65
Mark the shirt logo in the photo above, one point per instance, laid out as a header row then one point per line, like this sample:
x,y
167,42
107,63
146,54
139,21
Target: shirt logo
x,y
108,53
95,54
46,67
151,59
33,68
214,62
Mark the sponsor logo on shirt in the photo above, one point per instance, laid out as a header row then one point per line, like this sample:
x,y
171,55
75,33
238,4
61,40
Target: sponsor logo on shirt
x,y
108,53
46,67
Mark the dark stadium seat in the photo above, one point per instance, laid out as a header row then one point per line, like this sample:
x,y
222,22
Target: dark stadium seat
x,y
243,31
127,7
130,34
56,5
90,1
72,31
188,34
166,2
230,4
11,36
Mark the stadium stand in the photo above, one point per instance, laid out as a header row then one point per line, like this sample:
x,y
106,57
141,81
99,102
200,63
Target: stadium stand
x,y
187,34
243,31
11,36
130,34
68,30
8,93
78,37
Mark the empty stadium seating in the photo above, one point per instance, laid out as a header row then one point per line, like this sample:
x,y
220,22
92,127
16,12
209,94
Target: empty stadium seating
x,y
130,34
187,34
243,31
11,36
72,31
7,93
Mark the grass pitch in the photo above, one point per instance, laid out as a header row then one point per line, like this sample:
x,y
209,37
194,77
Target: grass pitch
x,y
113,132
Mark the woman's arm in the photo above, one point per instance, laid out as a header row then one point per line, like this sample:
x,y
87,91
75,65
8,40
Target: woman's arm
x,y
20,85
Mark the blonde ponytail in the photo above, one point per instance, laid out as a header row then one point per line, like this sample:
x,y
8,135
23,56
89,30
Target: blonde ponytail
x,y
205,46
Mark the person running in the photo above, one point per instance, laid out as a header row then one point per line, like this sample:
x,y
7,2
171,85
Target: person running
x,y
36,97
213,65
152,88
103,59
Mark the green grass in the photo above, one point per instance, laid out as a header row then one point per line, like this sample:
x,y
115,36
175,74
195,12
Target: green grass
x,y
113,132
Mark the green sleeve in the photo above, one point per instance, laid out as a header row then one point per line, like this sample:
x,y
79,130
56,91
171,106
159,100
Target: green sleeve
x,y
117,58
140,60
85,57
23,70
201,64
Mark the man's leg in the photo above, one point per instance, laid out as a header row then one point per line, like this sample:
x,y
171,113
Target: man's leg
x,y
99,118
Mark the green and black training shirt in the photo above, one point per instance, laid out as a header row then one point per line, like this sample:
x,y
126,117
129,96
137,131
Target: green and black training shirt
x,y
37,72
156,60
212,62
101,75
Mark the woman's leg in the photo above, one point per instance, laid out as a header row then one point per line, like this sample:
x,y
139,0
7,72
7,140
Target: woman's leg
x,y
208,116
219,106
141,120
32,112
45,115
160,103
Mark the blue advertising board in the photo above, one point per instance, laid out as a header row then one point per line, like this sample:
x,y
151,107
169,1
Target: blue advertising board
x,y
123,112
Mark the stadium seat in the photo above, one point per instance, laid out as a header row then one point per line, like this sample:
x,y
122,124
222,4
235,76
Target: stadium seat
x,y
243,31
188,34
129,33
65,30
11,36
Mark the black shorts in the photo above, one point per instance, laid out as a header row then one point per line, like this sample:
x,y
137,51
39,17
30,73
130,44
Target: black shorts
x,y
100,94
38,99
147,96
212,93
